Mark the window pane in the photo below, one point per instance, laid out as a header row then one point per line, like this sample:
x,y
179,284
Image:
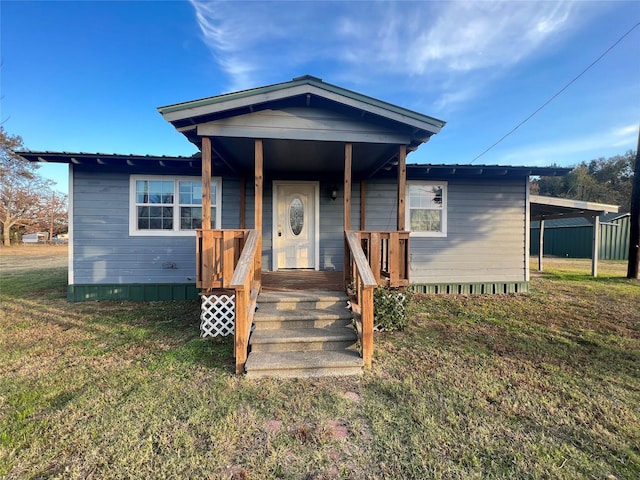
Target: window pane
x,y
296,216
425,196
155,218
190,218
190,193
154,191
142,191
422,220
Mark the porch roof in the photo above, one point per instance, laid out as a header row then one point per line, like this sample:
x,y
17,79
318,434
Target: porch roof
x,y
304,124
301,89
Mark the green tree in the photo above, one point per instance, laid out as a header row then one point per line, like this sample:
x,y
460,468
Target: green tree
x,y
23,193
600,180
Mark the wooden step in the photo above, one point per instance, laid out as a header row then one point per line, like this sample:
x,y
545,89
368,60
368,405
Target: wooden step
x,y
304,364
302,339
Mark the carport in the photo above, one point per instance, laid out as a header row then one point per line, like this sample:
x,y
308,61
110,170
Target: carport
x,y
546,208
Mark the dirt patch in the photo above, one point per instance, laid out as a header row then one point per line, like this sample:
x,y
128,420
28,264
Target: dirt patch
x,y
28,257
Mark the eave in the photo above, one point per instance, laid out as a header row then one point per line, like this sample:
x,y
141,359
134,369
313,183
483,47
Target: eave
x,y
426,171
305,87
112,159
545,208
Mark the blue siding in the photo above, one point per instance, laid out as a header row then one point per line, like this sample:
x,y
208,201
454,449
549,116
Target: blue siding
x,y
485,240
332,224
104,253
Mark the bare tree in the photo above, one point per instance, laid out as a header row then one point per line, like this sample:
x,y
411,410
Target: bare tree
x,y
24,195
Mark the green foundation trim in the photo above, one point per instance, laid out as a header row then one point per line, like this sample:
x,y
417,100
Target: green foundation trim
x,y
136,292
488,288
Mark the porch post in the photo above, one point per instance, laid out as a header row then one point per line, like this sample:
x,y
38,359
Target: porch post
x,y
348,152
206,183
595,220
402,186
259,178
541,246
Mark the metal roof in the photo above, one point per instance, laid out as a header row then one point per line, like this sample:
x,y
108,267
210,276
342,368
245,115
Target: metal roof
x,y
111,159
543,208
414,171
578,221
469,170
247,97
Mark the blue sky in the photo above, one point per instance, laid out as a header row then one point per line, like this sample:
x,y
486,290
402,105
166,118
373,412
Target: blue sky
x,y
88,76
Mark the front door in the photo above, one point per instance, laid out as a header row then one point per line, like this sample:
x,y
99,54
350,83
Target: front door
x,y
295,232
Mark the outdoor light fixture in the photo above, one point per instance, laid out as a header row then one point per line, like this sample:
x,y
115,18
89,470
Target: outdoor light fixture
x,y
334,192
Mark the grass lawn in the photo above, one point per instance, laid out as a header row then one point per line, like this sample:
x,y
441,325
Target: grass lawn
x,y
545,385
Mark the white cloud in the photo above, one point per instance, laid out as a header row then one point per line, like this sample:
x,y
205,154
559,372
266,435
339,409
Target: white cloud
x,y
439,46
627,132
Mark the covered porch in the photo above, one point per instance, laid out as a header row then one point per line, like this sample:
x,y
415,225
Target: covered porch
x,y
310,149
232,259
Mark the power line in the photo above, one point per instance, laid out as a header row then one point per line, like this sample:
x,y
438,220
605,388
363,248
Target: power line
x,y
558,93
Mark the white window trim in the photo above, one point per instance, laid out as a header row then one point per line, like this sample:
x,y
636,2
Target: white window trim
x,y
445,194
176,232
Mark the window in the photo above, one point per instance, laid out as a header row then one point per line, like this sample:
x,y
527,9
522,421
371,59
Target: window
x,y
427,209
162,205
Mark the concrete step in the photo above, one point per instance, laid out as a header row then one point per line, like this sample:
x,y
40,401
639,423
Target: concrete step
x,y
301,300
303,364
269,317
302,339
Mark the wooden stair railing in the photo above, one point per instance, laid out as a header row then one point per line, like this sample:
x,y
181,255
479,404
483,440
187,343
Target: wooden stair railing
x,y
388,256
362,283
228,259
217,254
246,283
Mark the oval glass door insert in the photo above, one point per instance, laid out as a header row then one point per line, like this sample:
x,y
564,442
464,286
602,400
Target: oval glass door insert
x,y
296,216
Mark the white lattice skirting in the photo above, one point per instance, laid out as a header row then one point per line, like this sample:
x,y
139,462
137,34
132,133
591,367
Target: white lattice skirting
x,y
217,316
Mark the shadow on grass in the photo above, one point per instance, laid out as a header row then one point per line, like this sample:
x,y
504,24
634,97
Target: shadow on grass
x,y
44,282
165,334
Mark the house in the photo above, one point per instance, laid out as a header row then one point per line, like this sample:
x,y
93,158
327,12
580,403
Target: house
x,y
573,237
37,237
301,176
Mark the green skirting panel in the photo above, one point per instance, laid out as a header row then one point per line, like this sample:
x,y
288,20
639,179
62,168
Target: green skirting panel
x,y
137,292
492,288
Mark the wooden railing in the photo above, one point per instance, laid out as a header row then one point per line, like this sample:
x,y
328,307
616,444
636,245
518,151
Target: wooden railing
x,y
246,282
388,256
229,259
361,283
217,254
